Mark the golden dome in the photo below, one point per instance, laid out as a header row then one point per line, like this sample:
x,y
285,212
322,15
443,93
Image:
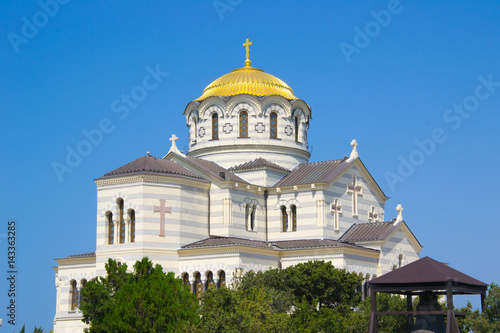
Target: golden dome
x,y
247,80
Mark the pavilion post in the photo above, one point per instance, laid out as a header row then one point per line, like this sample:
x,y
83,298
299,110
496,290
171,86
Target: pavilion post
x,y
483,296
449,307
409,308
373,315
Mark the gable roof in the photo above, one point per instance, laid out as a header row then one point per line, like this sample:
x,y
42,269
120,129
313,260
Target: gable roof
x,y
316,172
150,165
425,271
259,163
368,232
210,168
219,241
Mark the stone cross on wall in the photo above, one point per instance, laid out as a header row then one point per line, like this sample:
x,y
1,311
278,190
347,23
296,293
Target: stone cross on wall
x,y
336,209
162,210
372,215
356,190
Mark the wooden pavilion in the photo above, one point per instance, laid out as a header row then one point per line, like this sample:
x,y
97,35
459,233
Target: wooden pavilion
x,y
424,277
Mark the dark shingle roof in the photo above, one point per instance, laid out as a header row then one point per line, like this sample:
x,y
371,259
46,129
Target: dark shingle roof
x,y
426,271
82,255
217,241
151,166
259,163
214,169
316,172
368,232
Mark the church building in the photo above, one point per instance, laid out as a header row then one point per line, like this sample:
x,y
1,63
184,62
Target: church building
x,y
244,197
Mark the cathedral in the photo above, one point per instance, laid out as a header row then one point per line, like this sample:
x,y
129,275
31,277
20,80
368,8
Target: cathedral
x,y
243,197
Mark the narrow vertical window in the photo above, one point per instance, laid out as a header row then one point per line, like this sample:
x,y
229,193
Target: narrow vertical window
x,y
122,222
185,279
294,217
252,218
244,124
222,279
132,226
111,228
210,280
400,260
215,126
296,129
284,219
74,295
198,284
83,282
273,125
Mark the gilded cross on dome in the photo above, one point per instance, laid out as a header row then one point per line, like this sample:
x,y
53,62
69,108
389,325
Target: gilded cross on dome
x,y
247,45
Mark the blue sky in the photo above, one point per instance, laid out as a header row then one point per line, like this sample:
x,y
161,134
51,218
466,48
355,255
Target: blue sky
x,y
416,83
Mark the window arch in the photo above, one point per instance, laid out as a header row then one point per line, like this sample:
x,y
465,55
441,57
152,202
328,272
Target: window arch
x,y
74,295
111,228
367,277
293,209
273,125
198,284
284,218
83,282
193,130
243,124
215,126
120,204
394,267
210,280
222,279
296,129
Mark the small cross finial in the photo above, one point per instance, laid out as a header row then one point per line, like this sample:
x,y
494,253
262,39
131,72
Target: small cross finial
x,y
399,219
174,148
354,152
247,46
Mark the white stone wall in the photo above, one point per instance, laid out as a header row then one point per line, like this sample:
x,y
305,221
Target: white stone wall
x,y
229,149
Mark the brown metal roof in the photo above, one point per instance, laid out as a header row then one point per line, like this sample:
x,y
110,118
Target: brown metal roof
x,y
368,232
82,255
316,172
214,169
151,166
425,271
219,241
258,163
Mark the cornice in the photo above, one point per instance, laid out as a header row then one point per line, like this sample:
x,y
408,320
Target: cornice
x,y
149,179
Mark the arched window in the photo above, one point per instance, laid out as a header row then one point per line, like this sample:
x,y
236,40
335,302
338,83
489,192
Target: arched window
x,y
367,277
132,226
222,279
252,218
394,267
111,227
193,130
400,260
284,218
198,284
83,282
273,125
210,280
74,295
215,126
119,202
296,129
244,124
185,279
294,217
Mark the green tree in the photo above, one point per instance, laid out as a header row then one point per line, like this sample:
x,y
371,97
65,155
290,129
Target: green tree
x,y
486,322
147,300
